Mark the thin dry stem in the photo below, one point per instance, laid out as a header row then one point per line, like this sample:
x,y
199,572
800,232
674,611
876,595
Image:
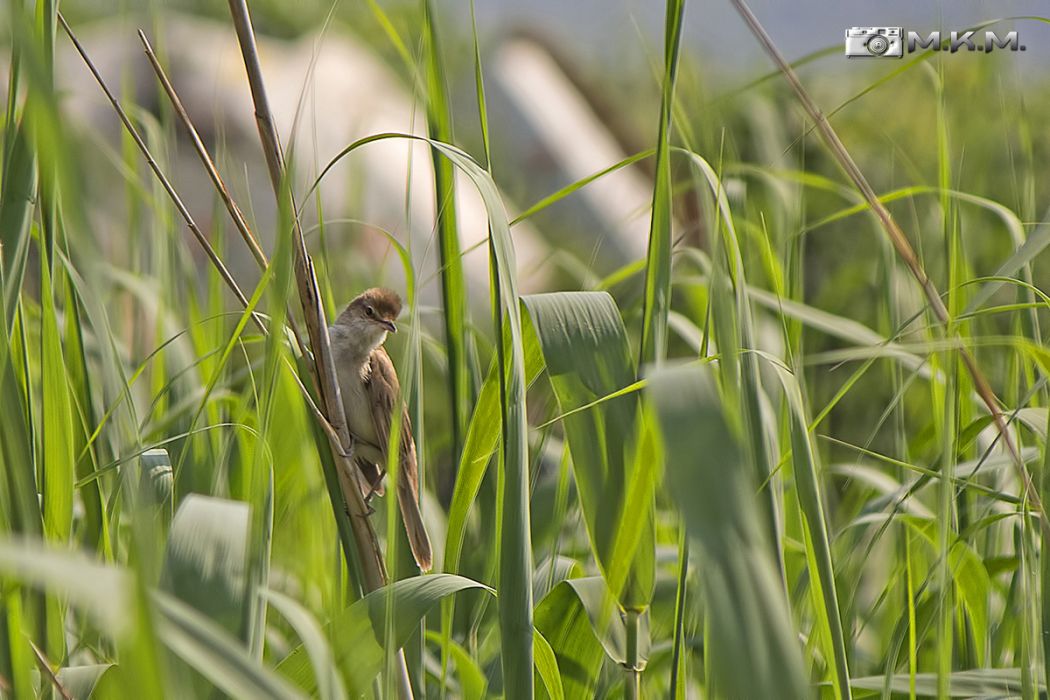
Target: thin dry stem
x,y
151,161
904,250
370,556
213,173
326,426
318,414
202,152
45,668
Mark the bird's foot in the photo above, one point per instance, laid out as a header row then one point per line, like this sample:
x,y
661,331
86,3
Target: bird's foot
x,y
369,510
368,499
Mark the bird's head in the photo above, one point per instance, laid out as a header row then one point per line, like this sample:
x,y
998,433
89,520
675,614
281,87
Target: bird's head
x,y
371,315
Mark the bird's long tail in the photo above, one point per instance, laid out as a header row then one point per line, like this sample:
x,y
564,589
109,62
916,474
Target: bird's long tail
x,y
418,539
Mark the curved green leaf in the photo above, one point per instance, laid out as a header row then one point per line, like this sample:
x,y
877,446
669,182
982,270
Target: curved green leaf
x,y
547,667
83,682
586,351
564,623
357,635
472,682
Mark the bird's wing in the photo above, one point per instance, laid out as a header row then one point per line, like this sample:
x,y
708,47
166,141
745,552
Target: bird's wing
x,y
384,394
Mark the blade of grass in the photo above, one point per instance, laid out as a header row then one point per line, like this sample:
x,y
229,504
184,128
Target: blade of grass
x,y
657,301
17,198
753,651
57,468
817,540
453,283
358,633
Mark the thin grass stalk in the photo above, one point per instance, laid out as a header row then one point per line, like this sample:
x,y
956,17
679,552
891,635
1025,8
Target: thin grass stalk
x,y
678,676
904,251
953,407
1044,560
817,543
56,468
657,298
202,152
633,680
657,301
945,518
45,670
370,557
496,294
453,283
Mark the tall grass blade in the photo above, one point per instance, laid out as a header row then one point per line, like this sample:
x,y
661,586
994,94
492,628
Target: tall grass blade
x,y
734,329
95,528
658,259
752,650
453,284
57,461
586,353
17,201
1044,561
21,512
817,539
57,469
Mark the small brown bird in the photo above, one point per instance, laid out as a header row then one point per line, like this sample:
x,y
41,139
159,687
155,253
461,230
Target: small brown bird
x,y
371,393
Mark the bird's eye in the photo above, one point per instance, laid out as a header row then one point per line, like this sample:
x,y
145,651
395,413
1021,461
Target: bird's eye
x,y
370,311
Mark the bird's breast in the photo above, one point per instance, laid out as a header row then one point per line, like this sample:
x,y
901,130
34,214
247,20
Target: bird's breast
x,y
356,403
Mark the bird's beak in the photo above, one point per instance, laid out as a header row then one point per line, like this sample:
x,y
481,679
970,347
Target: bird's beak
x,y
388,326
